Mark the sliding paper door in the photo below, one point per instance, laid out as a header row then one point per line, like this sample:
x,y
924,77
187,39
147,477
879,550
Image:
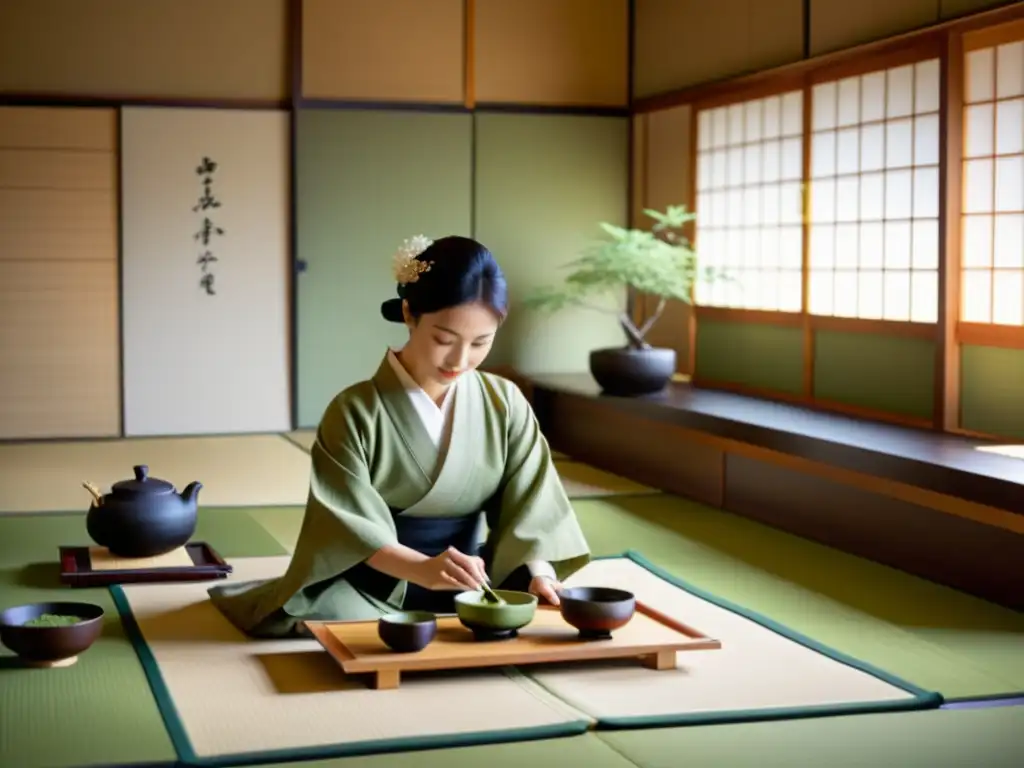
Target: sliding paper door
x,y
205,271
58,274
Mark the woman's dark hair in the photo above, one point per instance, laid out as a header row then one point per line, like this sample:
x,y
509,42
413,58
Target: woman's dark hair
x,y
461,271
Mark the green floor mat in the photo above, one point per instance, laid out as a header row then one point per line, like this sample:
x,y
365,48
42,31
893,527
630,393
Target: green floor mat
x,y
986,738
550,753
932,636
101,711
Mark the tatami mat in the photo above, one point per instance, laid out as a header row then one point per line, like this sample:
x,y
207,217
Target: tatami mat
x,y
231,698
933,636
984,738
245,470
763,670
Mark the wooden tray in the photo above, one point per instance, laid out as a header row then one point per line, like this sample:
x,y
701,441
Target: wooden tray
x,y
650,636
76,568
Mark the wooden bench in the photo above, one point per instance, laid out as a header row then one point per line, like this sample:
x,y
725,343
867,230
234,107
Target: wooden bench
x,y
925,502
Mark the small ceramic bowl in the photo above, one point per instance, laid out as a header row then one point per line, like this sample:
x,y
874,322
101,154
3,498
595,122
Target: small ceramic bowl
x,y
493,621
596,611
50,634
407,631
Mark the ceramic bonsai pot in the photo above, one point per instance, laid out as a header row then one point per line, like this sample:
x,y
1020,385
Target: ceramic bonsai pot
x,y
632,372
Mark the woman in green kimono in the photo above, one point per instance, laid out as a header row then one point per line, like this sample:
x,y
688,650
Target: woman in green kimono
x,y
409,466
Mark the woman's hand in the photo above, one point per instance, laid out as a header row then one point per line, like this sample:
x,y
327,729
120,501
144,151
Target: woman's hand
x,y
452,570
545,588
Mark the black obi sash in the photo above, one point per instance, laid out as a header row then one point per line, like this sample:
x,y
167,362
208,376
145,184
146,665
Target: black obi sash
x,y
431,536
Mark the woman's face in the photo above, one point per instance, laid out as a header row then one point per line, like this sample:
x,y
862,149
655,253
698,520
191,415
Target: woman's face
x,y
443,345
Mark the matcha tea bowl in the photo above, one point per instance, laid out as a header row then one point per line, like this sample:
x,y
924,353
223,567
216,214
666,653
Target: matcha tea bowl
x,y
50,634
490,620
407,631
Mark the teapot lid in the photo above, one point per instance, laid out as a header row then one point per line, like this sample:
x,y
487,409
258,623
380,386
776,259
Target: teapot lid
x,y
143,483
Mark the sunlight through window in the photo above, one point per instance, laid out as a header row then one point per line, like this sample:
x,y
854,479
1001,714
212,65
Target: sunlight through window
x,y
992,253
874,208
749,203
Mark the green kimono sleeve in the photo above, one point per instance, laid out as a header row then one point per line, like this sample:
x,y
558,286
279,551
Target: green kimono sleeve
x,y
531,517
346,521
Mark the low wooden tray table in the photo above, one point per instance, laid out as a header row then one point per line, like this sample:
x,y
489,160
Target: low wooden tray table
x,y
650,636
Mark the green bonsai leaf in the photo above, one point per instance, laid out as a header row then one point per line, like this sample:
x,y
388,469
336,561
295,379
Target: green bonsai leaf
x,y
658,262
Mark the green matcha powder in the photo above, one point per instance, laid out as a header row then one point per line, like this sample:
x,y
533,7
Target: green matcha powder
x,y
52,620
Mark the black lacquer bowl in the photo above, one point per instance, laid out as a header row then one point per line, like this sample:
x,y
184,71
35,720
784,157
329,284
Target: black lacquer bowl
x,y
407,631
597,611
50,645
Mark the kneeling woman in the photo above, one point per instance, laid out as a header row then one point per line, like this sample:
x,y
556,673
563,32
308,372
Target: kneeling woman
x,y
408,466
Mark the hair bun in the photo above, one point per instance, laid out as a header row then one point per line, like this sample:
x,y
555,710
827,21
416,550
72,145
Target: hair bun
x,y
392,311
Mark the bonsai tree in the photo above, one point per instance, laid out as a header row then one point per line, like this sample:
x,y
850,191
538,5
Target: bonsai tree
x,y
659,262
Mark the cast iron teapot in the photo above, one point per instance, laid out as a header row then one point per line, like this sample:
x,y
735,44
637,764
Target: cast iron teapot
x,y
144,517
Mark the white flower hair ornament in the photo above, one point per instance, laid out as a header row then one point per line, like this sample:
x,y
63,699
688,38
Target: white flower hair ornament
x,y
406,267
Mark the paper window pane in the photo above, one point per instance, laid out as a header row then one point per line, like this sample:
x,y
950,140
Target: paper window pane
x,y
924,297
771,153
1008,297
769,290
848,151
770,239
1010,127
846,301
772,126
976,237
926,140
791,247
823,154
792,159
703,130
872,196
735,165
735,124
926,193
823,200
771,207
822,247
1009,184
752,164
753,114
791,203
1008,241
820,289
899,144
925,244
1010,70
977,183
896,296
847,247
703,172
870,292
871,245
847,198
751,249
980,75
897,245
872,147
898,191
979,130
793,114
751,206
848,97
872,97
926,86
900,91
823,110
976,296
791,291
734,211
720,127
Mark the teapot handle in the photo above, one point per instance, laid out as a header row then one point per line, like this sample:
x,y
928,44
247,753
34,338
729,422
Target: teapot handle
x,y
97,497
